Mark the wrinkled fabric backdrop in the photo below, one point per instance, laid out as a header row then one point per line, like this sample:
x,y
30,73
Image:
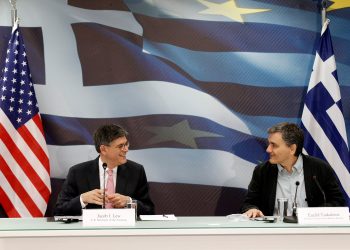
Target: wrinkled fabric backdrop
x,y
196,84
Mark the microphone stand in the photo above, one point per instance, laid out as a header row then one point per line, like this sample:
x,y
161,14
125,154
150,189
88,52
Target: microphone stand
x,y
104,165
295,205
294,217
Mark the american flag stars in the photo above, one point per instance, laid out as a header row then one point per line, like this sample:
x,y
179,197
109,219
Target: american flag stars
x,y
17,93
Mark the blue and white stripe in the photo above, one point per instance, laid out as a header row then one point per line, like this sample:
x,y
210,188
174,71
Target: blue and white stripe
x,y
322,116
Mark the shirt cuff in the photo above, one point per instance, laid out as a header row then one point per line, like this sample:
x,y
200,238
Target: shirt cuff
x,y
83,205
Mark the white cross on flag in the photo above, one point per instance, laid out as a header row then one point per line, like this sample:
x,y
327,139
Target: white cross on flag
x,y
322,119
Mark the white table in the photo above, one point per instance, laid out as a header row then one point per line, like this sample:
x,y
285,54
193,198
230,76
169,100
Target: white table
x,y
185,233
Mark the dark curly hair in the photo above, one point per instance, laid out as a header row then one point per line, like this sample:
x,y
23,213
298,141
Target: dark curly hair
x,y
291,134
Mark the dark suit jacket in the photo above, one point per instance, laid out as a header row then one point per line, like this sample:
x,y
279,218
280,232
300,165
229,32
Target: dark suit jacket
x,y
262,188
84,177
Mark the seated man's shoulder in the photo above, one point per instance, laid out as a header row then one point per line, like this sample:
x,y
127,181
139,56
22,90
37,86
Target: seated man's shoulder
x,y
316,162
133,164
83,165
265,166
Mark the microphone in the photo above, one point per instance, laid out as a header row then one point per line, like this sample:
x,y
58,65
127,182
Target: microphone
x,y
321,189
294,217
297,183
104,165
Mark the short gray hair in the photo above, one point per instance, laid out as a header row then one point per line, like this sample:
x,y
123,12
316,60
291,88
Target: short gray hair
x,y
105,134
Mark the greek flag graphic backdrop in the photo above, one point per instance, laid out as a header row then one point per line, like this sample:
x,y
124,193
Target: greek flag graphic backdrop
x,y
195,82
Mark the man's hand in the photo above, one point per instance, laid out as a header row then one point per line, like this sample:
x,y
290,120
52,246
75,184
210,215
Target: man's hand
x,y
118,200
94,196
252,213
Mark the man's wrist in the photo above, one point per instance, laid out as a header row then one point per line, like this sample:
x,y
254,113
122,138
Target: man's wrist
x,y
82,203
128,200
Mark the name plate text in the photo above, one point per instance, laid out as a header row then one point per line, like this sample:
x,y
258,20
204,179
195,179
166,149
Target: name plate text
x,y
108,217
323,215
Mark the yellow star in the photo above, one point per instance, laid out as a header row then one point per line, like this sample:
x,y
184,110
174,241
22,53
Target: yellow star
x,y
228,9
180,132
339,4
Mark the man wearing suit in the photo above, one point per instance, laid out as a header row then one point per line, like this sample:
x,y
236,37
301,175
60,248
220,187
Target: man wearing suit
x,y
83,187
286,169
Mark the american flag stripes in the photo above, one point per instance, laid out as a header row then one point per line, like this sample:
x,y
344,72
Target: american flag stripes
x,y
24,164
322,117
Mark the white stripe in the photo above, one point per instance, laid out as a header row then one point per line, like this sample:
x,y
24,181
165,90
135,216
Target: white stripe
x,y
337,118
322,72
37,134
207,167
23,178
15,200
327,148
329,81
23,147
324,26
203,167
141,98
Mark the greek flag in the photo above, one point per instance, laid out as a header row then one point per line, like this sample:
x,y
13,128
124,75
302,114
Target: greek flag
x,y
322,118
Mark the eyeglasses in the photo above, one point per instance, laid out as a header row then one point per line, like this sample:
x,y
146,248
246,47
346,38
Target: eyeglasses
x,y
123,146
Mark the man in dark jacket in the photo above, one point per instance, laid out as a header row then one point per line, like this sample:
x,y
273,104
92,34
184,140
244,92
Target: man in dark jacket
x,y
84,185
286,170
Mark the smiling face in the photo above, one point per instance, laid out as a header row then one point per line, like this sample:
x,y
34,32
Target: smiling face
x,y
114,154
280,152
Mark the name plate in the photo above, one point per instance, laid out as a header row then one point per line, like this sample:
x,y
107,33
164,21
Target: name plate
x,y
323,215
108,217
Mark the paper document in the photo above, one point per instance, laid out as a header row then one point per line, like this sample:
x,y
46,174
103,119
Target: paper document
x,y
158,217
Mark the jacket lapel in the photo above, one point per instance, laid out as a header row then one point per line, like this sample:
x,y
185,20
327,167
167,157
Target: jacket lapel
x,y
122,178
272,187
94,176
308,179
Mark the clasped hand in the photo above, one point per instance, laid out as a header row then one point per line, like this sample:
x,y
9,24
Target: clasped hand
x,y
253,213
96,197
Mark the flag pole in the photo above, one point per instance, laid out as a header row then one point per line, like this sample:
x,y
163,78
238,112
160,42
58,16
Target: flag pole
x,y
324,14
13,11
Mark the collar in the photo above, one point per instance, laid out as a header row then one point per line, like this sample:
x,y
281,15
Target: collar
x,y
298,166
101,168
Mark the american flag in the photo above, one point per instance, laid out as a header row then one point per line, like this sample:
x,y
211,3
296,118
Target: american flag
x,y
24,164
322,118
